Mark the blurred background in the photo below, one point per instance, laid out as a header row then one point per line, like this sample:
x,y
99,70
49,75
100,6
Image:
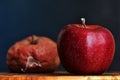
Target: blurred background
x,y
21,18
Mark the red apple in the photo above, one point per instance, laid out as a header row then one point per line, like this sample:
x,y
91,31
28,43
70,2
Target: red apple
x,y
86,49
33,54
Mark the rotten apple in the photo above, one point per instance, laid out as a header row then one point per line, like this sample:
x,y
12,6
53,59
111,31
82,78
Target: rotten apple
x,y
33,54
86,49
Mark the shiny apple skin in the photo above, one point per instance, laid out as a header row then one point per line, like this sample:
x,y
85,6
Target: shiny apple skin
x,y
86,50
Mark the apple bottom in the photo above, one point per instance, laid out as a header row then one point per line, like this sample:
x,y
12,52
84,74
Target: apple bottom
x,y
94,63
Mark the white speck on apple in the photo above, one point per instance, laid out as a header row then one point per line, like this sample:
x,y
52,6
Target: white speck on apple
x,y
30,62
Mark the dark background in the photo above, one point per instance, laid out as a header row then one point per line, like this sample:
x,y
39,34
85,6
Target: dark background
x,y
21,18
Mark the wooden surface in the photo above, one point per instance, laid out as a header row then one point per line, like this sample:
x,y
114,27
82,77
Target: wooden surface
x,y
58,76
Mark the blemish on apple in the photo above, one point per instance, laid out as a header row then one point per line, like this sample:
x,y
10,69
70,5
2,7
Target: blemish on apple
x,y
31,62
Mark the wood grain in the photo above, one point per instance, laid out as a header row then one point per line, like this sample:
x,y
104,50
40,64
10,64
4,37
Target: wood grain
x,y
59,76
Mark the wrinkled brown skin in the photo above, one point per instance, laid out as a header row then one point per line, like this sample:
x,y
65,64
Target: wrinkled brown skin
x,y
42,49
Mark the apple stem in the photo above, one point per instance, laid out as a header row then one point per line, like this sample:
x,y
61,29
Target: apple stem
x,y
34,41
83,22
